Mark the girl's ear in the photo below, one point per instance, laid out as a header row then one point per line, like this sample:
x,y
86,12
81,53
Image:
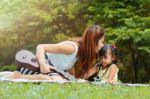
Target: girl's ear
x,y
114,58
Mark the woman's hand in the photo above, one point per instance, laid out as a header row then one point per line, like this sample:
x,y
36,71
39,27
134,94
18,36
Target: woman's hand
x,y
91,72
63,48
44,68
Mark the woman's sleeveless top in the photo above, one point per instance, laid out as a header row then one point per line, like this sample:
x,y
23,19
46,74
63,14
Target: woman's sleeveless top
x,y
63,61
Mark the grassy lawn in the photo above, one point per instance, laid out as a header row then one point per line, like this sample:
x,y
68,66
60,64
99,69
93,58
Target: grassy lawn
x,y
9,90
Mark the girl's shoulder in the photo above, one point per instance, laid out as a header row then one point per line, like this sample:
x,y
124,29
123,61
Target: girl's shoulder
x,y
114,66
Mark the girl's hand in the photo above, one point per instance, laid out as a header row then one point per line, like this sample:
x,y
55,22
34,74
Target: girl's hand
x,y
109,81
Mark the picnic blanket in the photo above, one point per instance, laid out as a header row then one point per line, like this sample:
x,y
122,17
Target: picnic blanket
x,y
4,79
5,74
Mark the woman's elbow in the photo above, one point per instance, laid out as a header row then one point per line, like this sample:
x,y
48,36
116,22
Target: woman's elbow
x,y
40,48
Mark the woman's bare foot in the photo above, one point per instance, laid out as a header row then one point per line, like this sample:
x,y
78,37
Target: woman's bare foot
x,y
13,75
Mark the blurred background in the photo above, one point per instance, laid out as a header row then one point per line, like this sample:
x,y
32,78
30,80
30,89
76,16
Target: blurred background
x,y
26,23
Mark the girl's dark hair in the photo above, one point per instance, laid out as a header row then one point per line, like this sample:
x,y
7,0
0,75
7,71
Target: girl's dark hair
x,y
109,49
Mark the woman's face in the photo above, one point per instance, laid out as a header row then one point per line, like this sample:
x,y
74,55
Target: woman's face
x,y
101,43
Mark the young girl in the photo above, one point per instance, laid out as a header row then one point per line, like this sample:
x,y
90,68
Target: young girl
x,y
108,70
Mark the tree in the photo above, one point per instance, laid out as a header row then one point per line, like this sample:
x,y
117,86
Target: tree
x,y
127,24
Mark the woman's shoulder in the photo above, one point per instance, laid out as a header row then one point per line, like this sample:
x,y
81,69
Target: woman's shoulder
x,y
70,42
70,46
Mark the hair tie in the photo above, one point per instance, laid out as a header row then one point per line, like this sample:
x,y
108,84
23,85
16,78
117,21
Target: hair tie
x,y
114,46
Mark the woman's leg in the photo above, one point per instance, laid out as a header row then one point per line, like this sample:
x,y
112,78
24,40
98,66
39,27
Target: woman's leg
x,y
58,78
17,75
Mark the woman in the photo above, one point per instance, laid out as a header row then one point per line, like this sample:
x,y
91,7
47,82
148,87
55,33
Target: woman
x,y
63,55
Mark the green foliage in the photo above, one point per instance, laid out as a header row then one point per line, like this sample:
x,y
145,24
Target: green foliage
x,y
36,22
127,25
8,68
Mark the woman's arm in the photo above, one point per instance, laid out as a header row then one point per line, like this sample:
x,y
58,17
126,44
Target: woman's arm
x,y
91,71
63,48
113,71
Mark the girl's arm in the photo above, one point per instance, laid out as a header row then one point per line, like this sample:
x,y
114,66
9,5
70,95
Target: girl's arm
x,y
113,71
63,48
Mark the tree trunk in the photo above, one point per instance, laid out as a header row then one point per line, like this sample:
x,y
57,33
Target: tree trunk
x,y
135,62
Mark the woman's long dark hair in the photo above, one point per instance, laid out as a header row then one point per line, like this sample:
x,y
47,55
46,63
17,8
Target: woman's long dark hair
x,y
88,46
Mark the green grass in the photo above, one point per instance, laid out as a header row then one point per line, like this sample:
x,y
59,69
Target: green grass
x,y
10,90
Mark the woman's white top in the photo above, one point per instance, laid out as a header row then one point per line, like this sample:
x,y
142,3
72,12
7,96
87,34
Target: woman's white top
x,y
63,61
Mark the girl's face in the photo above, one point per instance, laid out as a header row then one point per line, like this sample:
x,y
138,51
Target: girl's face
x,y
105,60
